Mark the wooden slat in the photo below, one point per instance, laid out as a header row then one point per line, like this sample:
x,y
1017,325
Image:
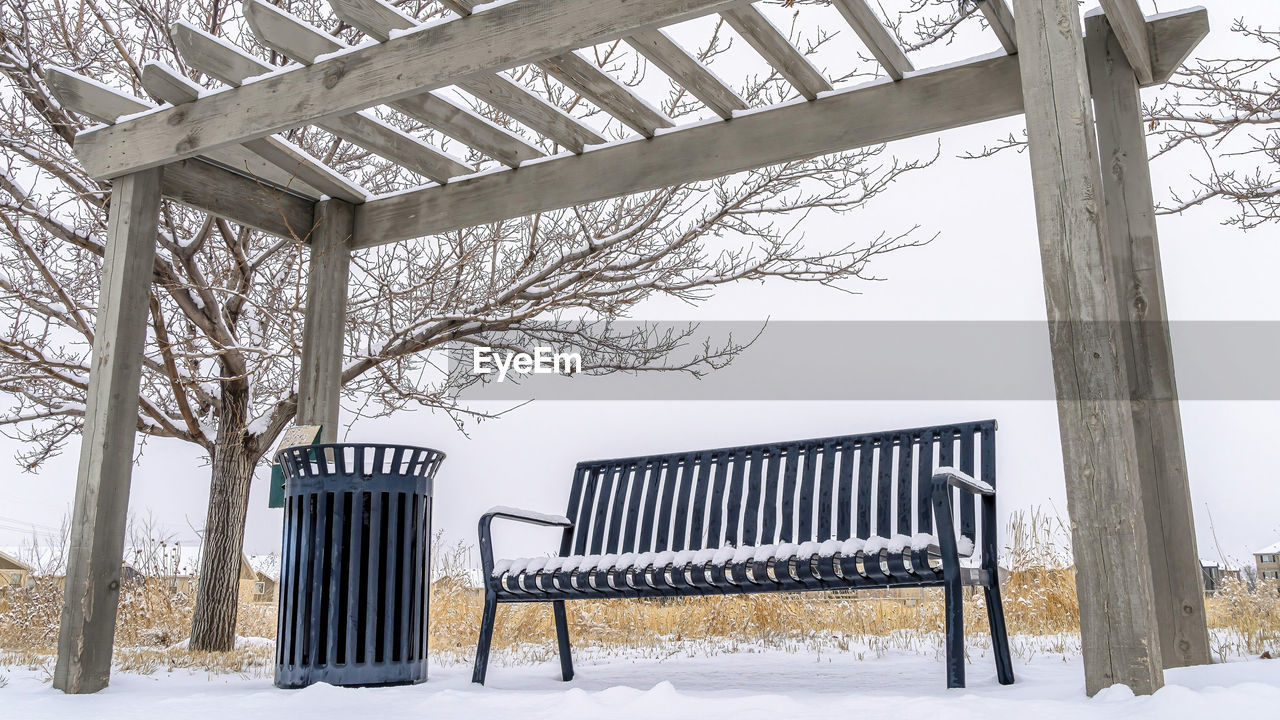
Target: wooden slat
x,y
777,50
510,97
378,19
875,36
232,66
686,71
395,145
467,127
1130,28
862,507
106,105
237,197
635,493
884,488
302,43
92,584
508,35
688,474
601,88
168,85
617,510
701,491
1000,19
670,478
955,96
591,82
751,509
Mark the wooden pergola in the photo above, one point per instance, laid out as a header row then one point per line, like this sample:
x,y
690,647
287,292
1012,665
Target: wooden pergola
x,y
1141,602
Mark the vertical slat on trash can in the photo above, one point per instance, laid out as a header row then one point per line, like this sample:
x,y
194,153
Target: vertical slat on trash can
x,y
356,556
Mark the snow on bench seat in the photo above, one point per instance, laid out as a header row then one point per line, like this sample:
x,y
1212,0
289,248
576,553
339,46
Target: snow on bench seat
x,y
729,555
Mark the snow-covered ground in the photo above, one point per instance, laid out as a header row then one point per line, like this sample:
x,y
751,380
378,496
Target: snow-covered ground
x,y
768,684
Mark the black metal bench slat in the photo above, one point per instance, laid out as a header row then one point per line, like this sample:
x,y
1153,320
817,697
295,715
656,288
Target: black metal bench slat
x,y
628,517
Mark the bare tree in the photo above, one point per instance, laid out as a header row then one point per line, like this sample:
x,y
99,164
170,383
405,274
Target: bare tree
x,y
1227,111
221,361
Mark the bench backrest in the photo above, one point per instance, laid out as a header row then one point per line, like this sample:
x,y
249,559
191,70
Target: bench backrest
x,y
838,488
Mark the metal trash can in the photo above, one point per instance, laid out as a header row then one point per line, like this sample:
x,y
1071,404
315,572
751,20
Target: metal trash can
x,y
355,564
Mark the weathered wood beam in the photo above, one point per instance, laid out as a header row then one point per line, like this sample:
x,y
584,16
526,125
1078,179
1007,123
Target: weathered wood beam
x,y
168,85
328,270
302,43
876,113
1133,245
92,586
879,112
777,50
241,199
1000,19
510,97
875,36
686,71
232,66
377,19
1130,28
505,36
1118,627
220,188
602,89
106,105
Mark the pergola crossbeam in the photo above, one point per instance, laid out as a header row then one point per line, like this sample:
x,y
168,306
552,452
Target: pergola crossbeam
x,y
1000,19
434,56
106,105
378,20
302,43
875,36
211,184
1130,28
959,95
168,85
687,72
232,66
777,50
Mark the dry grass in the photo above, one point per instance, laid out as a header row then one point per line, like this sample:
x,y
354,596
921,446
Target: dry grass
x,y
1039,597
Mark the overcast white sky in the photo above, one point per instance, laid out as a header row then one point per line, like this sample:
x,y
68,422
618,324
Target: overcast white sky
x,y
984,266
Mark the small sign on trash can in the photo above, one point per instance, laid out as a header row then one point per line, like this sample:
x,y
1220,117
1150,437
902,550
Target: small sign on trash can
x,y
355,564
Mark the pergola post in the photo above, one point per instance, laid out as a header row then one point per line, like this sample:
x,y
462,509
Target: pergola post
x,y
1104,497
1134,248
92,586
320,378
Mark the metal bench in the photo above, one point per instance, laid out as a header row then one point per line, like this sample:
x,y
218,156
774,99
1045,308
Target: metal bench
x,y
858,511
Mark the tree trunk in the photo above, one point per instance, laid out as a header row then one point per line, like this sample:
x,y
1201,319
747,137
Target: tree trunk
x,y
213,626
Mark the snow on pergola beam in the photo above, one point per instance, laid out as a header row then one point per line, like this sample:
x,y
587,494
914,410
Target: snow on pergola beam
x,y
432,57
929,101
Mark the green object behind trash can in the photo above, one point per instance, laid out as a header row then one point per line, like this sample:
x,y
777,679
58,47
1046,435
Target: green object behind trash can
x,y
293,437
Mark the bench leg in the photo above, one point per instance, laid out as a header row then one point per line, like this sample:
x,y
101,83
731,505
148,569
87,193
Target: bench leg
x,y
954,599
999,634
562,639
486,634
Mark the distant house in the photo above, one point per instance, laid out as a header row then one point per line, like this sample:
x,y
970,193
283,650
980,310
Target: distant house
x,y
1214,575
1268,561
14,573
263,579
177,565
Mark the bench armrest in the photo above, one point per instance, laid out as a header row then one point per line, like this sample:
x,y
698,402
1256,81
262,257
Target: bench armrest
x,y
958,479
510,513
528,516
